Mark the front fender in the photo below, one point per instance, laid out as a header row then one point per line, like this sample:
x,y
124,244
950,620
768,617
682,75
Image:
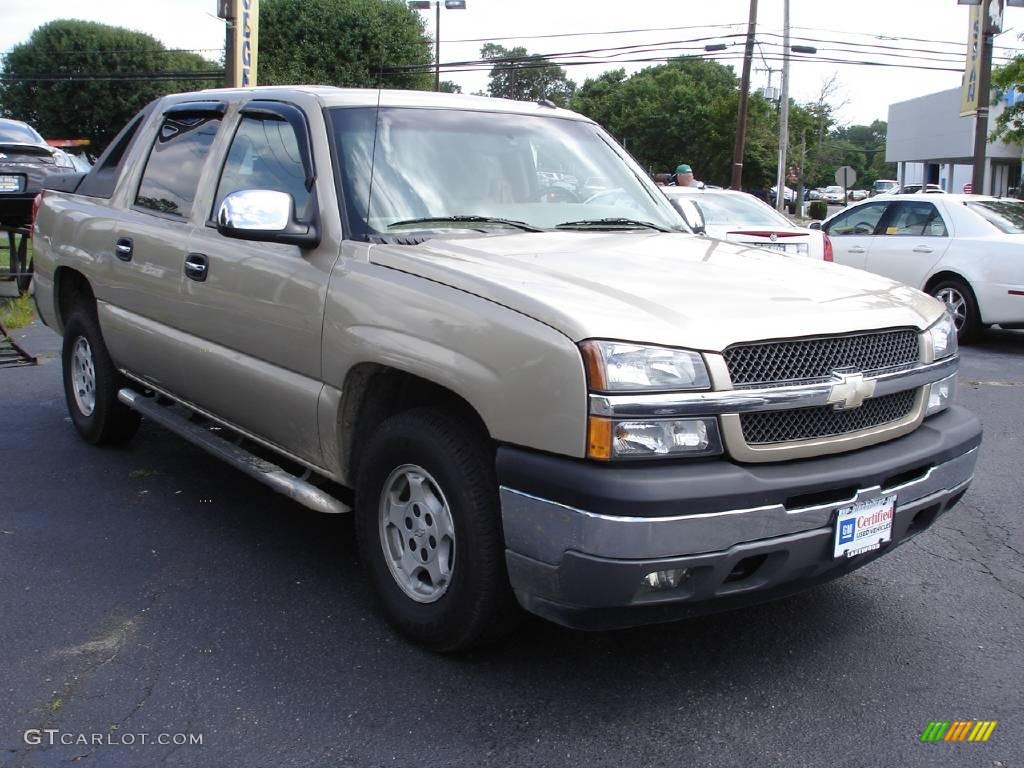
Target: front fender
x,y
524,378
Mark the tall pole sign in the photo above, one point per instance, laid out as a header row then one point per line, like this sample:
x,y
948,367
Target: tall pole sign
x,y
247,18
986,20
972,72
242,41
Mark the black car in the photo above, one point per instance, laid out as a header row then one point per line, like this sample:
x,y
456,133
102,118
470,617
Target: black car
x,y
27,165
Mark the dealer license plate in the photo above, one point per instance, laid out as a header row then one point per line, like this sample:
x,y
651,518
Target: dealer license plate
x,y
769,246
10,184
864,526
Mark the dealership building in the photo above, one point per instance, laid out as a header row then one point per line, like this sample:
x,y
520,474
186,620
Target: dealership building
x,y
932,144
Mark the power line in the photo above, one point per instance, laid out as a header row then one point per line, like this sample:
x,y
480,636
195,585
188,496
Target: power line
x,y
492,38
192,75
111,52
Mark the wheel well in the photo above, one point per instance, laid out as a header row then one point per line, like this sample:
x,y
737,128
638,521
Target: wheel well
x,y
70,287
938,277
375,392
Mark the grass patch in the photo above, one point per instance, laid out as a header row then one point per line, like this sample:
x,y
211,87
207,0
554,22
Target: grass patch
x,y
17,313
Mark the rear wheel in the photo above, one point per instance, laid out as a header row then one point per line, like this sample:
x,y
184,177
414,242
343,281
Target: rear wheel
x,y
430,531
91,383
961,304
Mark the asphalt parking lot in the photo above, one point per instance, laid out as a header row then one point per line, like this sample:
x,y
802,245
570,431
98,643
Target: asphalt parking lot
x,y
151,590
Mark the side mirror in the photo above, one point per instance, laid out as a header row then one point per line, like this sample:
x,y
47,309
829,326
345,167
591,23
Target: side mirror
x,y
691,213
814,225
264,215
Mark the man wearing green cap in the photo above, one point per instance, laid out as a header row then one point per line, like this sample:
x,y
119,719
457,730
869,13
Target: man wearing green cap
x,y
684,177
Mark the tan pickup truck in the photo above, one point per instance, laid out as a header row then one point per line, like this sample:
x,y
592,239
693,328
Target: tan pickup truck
x,y
426,309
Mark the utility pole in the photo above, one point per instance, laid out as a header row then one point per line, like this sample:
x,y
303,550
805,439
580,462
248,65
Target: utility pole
x,y
780,188
437,46
801,174
984,100
741,117
227,10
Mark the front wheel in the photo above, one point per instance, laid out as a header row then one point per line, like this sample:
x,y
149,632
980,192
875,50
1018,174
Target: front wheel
x,y
429,530
91,383
961,304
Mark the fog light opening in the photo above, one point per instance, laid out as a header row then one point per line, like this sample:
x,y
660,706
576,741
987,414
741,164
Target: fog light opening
x,y
659,581
745,568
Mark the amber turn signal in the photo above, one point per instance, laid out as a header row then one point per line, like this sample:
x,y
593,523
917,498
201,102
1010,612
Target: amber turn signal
x,y
599,438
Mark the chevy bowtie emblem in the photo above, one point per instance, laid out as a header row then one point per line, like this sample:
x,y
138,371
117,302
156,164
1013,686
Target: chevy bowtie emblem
x,y
850,391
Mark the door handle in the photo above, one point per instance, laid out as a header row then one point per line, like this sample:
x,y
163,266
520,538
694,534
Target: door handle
x,y
923,249
856,249
123,248
196,266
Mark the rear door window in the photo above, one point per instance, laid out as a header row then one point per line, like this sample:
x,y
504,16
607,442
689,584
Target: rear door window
x,y
175,163
915,219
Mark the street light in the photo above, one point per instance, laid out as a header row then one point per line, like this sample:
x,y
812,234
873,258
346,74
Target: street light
x,y
450,5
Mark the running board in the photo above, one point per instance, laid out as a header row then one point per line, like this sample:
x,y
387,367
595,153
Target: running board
x,y
282,481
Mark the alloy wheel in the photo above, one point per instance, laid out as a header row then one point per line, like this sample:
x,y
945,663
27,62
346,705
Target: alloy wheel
x,y
417,533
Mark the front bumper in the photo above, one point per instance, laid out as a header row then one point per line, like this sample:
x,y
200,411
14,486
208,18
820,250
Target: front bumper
x,y
581,536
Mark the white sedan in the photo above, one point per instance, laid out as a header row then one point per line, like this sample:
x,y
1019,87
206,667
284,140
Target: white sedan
x,y
742,218
965,250
833,195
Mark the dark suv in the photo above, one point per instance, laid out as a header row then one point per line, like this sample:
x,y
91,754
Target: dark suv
x,y
27,164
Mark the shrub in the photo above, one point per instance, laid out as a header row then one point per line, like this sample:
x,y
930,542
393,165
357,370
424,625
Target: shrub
x,y
818,209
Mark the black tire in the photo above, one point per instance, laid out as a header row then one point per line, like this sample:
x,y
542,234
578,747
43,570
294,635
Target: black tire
x,y
25,268
110,421
968,321
477,605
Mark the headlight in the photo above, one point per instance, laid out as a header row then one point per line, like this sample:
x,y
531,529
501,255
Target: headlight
x,y
613,366
943,337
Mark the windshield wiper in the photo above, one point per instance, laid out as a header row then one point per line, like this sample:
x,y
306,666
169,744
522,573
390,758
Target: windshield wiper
x,y
613,223
467,220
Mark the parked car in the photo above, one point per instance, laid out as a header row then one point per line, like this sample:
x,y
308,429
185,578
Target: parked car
x,y
790,194
913,189
27,164
582,407
884,187
742,218
834,195
857,195
964,250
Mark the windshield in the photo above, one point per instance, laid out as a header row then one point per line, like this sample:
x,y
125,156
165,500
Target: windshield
x,y
735,210
1005,215
19,133
531,171
881,186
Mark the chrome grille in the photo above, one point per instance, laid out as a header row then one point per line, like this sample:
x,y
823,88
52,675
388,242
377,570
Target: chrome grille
x,y
760,428
798,360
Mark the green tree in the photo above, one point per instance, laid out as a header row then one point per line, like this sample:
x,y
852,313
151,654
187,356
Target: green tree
x,y
523,76
1010,123
683,112
83,80
354,43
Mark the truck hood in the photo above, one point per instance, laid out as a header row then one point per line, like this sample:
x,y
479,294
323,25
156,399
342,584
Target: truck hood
x,y
662,288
